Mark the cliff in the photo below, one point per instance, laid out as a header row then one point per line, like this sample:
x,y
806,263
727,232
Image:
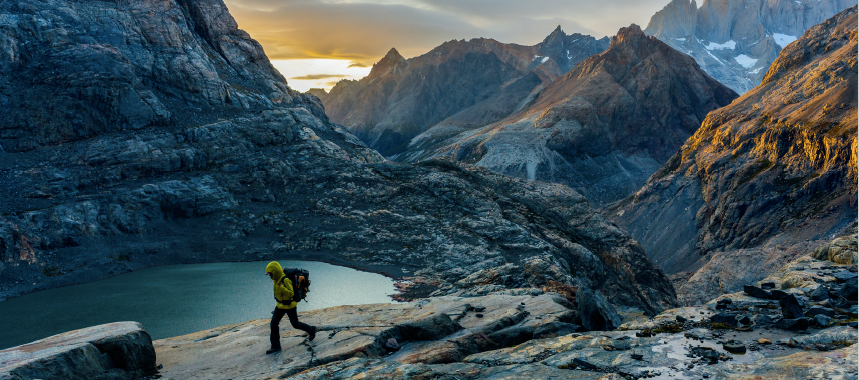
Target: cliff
x,y
763,179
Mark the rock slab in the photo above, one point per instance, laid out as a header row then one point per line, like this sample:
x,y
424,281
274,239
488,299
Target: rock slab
x,y
114,351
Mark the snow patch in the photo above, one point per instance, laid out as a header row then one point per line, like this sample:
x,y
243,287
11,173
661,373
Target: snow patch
x,y
755,71
543,60
727,45
568,55
783,39
745,61
679,39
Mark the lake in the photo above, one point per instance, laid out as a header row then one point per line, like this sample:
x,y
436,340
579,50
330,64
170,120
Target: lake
x,y
181,299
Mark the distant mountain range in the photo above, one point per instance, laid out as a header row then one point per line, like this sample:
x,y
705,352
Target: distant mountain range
x,y
764,179
603,128
458,84
735,41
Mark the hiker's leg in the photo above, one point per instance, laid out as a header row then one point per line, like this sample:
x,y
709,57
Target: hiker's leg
x,y
275,328
293,319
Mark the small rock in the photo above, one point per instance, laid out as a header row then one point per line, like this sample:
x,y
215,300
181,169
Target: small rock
x,y
746,320
584,364
478,315
726,318
849,291
792,324
844,276
680,319
819,294
777,294
734,347
646,333
392,345
764,341
822,320
768,285
817,310
636,356
790,308
757,292
724,301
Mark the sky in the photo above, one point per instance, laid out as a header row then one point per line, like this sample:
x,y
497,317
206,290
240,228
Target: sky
x,y
315,43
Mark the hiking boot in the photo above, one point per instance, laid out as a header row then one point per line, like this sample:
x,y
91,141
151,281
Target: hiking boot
x,y
272,350
312,334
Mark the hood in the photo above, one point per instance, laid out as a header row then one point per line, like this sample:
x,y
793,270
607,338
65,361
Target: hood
x,y
275,269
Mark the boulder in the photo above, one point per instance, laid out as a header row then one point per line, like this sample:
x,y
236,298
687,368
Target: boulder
x,y
757,292
595,312
790,307
121,350
819,294
817,310
792,324
725,318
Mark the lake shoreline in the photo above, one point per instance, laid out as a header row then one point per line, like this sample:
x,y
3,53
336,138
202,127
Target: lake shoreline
x,y
99,272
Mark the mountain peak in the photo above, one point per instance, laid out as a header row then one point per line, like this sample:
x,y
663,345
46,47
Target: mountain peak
x,y
393,54
389,61
628,35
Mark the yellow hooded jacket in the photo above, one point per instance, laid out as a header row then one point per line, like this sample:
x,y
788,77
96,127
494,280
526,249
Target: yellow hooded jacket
x,y
282,286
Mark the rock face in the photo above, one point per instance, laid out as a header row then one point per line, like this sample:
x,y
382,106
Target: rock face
x,y
764,179
121,350
735,41
603,128
221,161
456,85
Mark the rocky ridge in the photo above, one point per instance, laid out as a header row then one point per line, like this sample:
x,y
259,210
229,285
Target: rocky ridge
x,y
735,41
189,147
764,179
455,85
602,128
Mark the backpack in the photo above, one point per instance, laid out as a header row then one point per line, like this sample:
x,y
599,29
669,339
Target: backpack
x,y
300,282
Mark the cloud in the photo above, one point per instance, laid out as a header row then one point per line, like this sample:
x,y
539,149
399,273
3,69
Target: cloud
x,y
358,64
318,76
364,30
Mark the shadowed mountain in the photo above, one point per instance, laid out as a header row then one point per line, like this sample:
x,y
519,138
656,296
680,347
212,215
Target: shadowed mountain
x,y
735,41
764,178
603,128
150,133
458,84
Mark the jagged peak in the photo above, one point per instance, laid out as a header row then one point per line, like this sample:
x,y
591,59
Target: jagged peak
x,y
557,33
393,54
627,35
391,59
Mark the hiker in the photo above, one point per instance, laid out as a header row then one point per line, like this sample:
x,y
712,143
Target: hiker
x,y
283,293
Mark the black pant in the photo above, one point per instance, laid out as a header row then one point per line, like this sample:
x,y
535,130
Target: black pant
x,y
293,319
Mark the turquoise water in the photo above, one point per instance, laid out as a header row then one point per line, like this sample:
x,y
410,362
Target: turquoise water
x,y
181,299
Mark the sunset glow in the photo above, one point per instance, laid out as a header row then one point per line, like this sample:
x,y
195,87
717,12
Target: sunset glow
x,y
304,74
320,39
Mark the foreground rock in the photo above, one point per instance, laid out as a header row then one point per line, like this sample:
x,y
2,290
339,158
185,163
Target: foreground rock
x,y
764,180
188,146
463,337
433,331
114,351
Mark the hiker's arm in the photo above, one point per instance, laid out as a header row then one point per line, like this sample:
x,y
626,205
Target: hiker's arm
x,y
286,291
